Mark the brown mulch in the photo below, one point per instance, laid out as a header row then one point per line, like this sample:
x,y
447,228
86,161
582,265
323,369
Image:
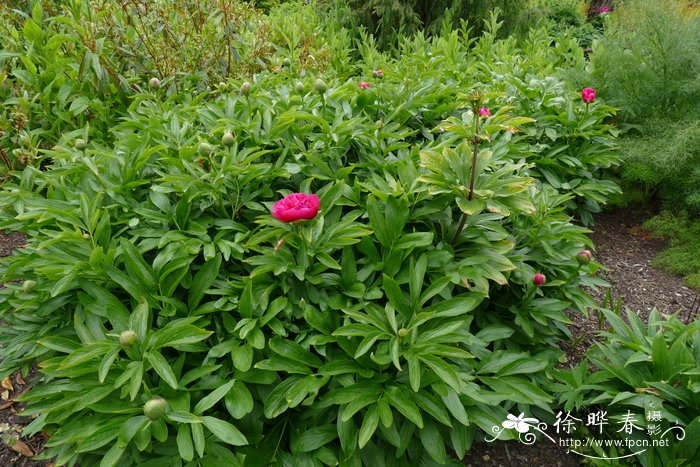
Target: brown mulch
x,y
621,245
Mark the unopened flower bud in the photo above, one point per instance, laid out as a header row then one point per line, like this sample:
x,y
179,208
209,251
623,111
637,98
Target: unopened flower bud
x,y
403,332
539,279
80,144
320,86
246,89
228,139
127,337
155,408
299,88
584,257
28,286
154,82
204,148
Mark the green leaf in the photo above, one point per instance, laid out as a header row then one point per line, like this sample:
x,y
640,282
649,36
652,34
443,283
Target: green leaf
x,y
314,438
129,429
136,266
183,417
402,402
198,438
293,351
112,456
396,296
160,364
445,371
432,442
178,332
204,278
184,442
215,396
225,431
369,425
239,401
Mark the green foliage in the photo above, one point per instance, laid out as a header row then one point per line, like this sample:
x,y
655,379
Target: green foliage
x,y
640,370
680,257
562,17
665,162
389,20
400,324
649,59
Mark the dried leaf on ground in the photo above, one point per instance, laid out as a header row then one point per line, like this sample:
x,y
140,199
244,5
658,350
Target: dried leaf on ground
x,y
7,383
22,448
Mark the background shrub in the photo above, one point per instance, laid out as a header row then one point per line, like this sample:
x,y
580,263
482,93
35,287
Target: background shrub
x,y
647,63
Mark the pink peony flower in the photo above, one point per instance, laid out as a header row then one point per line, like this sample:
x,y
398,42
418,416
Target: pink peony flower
x,y
379,73
484,112
588,95
364,85
539,279
296,206
603,9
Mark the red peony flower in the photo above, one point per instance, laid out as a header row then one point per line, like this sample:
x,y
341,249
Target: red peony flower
x,y
379,73
484,112
296,206
588,95
539,279
364,85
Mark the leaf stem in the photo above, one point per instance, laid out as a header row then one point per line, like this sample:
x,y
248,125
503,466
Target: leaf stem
x,y
472,177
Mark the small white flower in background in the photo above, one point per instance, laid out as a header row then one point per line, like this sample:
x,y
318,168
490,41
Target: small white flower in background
x,y
520,423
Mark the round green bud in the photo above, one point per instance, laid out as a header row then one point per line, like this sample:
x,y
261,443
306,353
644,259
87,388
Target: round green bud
x,y
28,286
286,62
80,144
299,88
320,86
155,408
154,82
204,148
228,139
246,89
584,257
127,337
403,332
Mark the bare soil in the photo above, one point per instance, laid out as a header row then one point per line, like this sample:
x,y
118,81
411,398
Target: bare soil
x,y
622,246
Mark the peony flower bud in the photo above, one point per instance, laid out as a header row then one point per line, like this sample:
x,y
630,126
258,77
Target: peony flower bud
x,y
378,74
365,85
155,408
246,89
299,88
28,286
80,144
286,63
154,82
484,112
320,86
584,257
295,207
539,279
403,332
127,337
228,139
204,148
588,95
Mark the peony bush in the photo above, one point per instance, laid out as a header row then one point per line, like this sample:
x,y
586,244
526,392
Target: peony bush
x,y
298,270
